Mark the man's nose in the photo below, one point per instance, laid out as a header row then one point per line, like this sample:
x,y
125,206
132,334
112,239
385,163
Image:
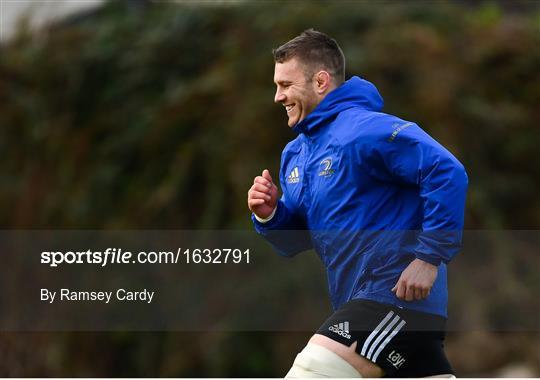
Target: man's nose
x,y
279,97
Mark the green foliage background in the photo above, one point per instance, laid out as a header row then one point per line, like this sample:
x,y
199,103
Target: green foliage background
x,y
160,115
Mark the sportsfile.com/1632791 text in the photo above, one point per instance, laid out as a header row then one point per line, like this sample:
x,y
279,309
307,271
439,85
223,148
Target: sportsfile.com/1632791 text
x,y
118,256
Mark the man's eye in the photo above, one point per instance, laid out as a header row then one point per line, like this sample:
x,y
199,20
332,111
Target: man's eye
x,y
283,86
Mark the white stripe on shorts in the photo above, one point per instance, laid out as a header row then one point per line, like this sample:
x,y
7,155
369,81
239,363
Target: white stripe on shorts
x,y
375,332
387,340
381,336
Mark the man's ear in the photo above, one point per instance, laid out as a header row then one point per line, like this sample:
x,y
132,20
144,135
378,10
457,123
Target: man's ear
x,y
323,81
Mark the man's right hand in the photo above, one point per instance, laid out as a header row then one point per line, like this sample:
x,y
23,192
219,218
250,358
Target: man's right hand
x,y
263,195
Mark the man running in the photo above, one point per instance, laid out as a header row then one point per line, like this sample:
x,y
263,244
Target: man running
x,y
382,204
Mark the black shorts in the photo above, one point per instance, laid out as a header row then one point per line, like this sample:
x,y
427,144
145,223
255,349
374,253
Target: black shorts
x,y
404,343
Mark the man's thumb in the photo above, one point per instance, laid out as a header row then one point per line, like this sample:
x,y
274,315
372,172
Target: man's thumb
x,y
266,175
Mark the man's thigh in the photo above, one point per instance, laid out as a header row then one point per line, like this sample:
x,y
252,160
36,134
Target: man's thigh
x,y
363,366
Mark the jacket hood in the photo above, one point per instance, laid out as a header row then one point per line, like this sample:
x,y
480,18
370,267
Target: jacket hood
x,y
356,92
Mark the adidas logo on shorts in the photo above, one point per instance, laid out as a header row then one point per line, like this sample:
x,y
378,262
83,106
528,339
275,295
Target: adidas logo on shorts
x,y
341,329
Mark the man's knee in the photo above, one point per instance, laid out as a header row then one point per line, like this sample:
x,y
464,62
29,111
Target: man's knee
x,y
318,361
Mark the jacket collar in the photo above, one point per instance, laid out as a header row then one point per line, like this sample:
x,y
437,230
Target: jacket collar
x,y
356,92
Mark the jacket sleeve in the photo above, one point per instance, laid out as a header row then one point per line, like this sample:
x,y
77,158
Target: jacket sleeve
x,y
411,156
286,231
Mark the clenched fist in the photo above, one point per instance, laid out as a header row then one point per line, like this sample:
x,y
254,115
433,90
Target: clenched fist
x,y
263,195
416,281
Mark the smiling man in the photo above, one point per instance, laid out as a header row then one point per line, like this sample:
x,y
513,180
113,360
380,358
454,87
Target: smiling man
x,y
381,203
295,89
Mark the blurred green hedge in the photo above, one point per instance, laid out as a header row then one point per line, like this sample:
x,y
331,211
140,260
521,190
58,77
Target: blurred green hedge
x,y
160,116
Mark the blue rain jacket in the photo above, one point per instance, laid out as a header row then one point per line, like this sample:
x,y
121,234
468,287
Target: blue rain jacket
x,y
369,192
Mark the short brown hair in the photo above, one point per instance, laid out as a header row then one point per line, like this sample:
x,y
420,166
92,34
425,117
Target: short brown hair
x,y
314,49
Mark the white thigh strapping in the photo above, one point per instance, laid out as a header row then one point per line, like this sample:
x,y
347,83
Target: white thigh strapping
x,y
318,361
445,376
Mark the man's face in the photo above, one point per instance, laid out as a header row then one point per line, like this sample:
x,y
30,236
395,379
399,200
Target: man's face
x,y
295,91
